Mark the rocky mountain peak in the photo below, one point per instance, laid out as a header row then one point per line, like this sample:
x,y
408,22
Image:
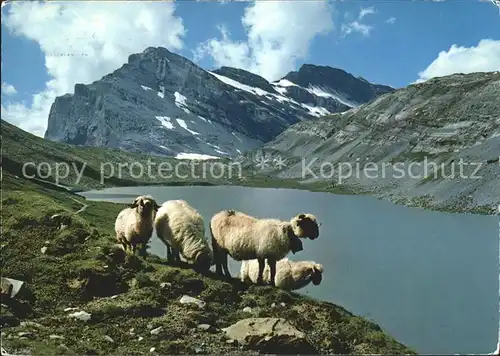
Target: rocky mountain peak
x,y
358,90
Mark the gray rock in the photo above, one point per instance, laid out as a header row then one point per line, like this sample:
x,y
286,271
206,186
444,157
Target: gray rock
x,y
157,331
81,315
31,323
269,335
247,309
108,338
43,249
206,327
25,334
70,309
56,337
10,286
140,338
190,300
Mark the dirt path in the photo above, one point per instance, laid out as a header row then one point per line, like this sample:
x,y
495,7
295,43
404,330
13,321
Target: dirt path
x,y
83,208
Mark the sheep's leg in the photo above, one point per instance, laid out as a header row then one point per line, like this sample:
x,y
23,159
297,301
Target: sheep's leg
x,y
175,253
272,268
262,264
142,249
126,246
224,264
169,254
134,248
217,255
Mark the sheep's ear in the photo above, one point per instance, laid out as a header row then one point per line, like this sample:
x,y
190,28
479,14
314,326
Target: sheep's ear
x,y
134,204
318,267
301,216
156,206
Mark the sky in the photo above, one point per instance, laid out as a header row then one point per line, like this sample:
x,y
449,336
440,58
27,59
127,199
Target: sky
x,y
48,47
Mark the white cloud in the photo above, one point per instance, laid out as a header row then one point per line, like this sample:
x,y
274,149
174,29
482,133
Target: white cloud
x,y
390,20
357,25
485,57
366,11
8,89
278,33
84,41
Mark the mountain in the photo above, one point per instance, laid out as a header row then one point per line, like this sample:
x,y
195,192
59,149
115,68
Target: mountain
x,y
161,103
413,143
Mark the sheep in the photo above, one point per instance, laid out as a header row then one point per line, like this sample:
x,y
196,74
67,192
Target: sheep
x,y
134,224
290,275
244,237
182,229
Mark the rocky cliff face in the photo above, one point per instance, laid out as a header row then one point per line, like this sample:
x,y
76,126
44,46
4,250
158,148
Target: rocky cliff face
x,y
161,103
407,145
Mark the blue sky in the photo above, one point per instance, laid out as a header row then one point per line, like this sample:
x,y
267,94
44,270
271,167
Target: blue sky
x,y
388,42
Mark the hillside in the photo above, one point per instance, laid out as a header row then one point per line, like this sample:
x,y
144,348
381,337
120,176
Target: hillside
x,y
442,121
82,295
93,167
163,104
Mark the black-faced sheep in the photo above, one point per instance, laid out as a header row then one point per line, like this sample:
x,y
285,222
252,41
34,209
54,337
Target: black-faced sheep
x,y
290,275
244,237
134,225
182,229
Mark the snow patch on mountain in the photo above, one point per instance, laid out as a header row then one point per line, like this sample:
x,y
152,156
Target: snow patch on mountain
x,y
180,100
165,121
195,156
238,85
321,93
316,110
183,124
284,83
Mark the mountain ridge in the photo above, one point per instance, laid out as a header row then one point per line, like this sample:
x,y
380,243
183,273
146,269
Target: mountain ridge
x,y
164,104
431,128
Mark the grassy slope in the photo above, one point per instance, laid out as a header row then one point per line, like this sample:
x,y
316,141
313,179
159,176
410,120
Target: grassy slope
x,y
82,268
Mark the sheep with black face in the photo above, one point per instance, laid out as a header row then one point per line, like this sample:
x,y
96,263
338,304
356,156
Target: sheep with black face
x,y
134,224
244,237
290,275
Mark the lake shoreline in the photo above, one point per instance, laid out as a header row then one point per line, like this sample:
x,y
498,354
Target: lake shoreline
x,y
424,202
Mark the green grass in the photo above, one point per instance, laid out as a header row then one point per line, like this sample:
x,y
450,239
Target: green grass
x,y
83,268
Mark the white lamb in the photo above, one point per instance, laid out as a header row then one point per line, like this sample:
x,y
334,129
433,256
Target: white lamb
x,y
244,237
290,275
182,229
134,225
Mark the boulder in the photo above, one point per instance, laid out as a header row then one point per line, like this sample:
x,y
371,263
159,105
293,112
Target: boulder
x,y
270,335
10,287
